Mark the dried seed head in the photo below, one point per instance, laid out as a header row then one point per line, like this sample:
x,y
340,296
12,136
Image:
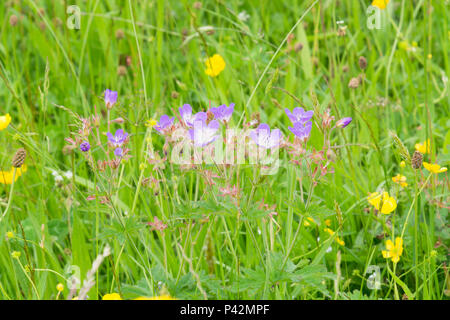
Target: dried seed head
x,y
298,46
362,62
121,71
354,83
175,95
197,5
416,160
57,22
19,158
13,20
120,34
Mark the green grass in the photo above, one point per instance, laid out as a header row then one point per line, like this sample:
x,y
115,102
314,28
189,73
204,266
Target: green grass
x,y
212,248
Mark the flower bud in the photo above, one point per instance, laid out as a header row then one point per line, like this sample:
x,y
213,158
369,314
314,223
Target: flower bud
x,y
343,122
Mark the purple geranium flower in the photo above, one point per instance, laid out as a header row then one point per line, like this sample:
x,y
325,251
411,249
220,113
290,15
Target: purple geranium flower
x,y
203,134
299,115
85,146
188,117
118,152
264,138
343,122
301,130
110,98
165,122
223,113
118,139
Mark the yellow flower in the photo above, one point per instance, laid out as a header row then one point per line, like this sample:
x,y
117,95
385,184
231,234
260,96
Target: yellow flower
x,y
435,168
393,252
214,65
401,180
388,203
60,287
380,3
340,241
10,234
328,222
423,147
162,297
15,254
5,121
331,232
6,177
402,164
151,123
308,221
112,296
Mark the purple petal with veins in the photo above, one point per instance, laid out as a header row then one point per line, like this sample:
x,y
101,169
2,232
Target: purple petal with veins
x,y
301,130
299,115
264,138
203,134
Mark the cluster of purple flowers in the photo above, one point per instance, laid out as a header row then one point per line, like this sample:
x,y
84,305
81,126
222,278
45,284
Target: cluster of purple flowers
x,y
119,139
203,126
201,131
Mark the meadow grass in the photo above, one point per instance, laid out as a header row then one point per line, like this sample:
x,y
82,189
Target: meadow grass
x,y
259,244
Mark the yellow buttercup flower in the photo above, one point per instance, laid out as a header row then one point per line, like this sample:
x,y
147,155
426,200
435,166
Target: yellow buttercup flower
x,y
388,203
331,232
401,180
162,297
6,177
112,296
380,3
434,168
5,121
151,123
308,221
340,241
394,251
214,65
423,147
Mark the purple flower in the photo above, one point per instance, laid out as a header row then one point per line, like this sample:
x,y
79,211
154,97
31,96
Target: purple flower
x,y
299,115
264,138
118,139
223,113
203,134
188,117
110,98
343,122
301,130
165,122
85,146
118,152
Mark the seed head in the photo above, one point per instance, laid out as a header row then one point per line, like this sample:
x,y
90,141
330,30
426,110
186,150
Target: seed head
x,y
13,20
416,160
120,34
19,158
354,83
121,71
362,62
